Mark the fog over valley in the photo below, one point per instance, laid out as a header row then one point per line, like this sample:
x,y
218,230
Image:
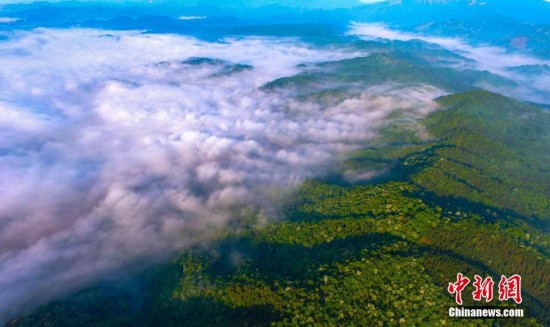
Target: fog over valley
x,y
132,132
122,142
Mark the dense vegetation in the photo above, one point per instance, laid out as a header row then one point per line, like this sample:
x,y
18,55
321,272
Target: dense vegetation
x,y
489,150
389,64
467,189
474,199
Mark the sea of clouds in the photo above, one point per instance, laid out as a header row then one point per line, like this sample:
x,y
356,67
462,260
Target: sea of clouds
x,y
115,147
532,80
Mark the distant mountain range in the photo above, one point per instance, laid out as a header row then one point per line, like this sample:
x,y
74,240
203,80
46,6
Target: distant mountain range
x,y
421,150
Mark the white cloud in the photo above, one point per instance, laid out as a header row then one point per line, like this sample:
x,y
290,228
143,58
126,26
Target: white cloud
x,y
490,58
113,146
192,17
8,20
373,1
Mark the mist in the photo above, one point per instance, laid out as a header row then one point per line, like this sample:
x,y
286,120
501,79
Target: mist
x,y
115,147
531,87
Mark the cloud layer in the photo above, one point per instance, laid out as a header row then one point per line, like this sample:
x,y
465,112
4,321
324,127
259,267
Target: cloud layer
x,y
8,20
488,58
116,146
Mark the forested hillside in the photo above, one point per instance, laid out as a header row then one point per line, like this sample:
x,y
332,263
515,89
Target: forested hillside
x,y
473,198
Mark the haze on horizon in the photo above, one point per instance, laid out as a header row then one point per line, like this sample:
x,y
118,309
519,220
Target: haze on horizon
x,y
118,145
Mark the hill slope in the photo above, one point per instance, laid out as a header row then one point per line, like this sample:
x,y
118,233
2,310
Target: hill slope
x,y
474,199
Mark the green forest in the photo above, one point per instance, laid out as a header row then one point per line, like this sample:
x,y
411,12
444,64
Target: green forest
x,y
472,198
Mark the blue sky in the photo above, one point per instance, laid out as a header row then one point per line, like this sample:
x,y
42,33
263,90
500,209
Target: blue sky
x,y
294,3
